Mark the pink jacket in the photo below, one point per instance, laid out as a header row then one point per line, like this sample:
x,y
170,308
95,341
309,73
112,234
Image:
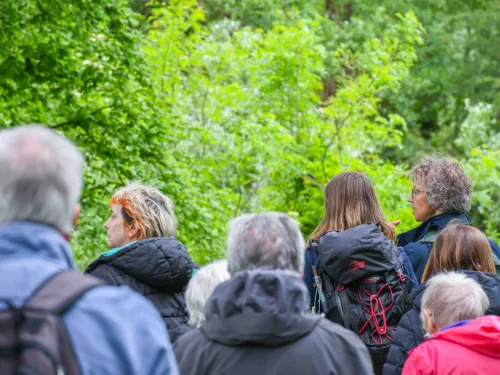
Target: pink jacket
x,y
471,349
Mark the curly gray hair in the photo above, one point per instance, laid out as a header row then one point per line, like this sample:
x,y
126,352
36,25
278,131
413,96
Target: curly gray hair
x,y
448,187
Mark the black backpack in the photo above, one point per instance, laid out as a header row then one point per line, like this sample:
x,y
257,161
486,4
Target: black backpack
x,y
33,339
365,288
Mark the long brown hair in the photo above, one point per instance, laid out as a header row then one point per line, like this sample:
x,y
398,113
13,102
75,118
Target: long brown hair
x,y
459,247
351,201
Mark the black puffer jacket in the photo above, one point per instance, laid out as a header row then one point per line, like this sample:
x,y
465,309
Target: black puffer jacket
x,y
410,334
159,269
258,323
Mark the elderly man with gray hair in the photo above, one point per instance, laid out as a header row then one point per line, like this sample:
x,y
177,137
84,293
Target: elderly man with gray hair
x,y
53,318
462,339
259,320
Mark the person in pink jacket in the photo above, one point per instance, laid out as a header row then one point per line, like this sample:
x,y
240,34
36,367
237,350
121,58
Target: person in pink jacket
x,y
461,340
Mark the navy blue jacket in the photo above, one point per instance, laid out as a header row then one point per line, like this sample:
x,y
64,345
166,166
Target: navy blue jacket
x,y
419,252
312,259
410,334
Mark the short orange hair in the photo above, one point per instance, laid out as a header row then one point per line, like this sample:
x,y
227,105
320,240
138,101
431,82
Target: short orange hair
x,y
148,208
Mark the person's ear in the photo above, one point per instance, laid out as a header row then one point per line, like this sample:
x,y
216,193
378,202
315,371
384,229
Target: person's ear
x,y
430,324
76,214
133,231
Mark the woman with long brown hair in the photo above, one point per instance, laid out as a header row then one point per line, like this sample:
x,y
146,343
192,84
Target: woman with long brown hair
x,y
350,201
355,273
458,247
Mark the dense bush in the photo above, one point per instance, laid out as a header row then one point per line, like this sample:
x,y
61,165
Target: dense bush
x,y
232,109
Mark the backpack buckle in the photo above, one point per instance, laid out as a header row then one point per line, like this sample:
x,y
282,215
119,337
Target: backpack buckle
x,y
340,287
402,277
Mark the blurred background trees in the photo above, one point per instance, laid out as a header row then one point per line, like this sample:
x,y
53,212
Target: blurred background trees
x,y
244,106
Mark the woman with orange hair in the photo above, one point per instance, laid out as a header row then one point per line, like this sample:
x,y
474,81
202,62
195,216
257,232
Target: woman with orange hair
x,y
144,254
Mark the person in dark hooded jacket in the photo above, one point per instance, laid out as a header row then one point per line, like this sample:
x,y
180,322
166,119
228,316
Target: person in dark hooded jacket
x,y
258,322
144,255
441,193
353,246
458,247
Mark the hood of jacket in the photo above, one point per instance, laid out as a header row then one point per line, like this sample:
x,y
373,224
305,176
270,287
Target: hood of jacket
x,y
160,262
481,335
357,253
489,282
435,223
263,307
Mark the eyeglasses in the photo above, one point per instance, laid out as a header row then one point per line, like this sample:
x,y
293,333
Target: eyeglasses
x,y
414,192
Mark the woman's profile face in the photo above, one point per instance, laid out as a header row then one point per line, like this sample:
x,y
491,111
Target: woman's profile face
x,y
115,225
422,210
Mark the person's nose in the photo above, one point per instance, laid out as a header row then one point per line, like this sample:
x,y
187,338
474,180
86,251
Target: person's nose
x,y
410,199
106,224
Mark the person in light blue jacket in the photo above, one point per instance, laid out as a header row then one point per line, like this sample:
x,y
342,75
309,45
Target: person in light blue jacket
x,y
112,330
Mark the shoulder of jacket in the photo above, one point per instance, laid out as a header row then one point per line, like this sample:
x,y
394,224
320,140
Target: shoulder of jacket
x,y
334,329
107,272
421,248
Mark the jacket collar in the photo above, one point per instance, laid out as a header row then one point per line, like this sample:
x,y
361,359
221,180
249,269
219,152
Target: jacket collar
x,y
22,239
160,262
435,223
265,307
456,324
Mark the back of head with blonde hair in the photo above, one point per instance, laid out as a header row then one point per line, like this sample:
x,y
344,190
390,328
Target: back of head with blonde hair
x,y
201,287
148,208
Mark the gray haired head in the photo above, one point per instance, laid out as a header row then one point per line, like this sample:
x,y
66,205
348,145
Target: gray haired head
x,y
201,287
448,187
268,240
452,297
41,177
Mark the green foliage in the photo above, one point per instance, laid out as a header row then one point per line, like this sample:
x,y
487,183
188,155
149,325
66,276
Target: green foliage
x,y
255,132
480,143
236,107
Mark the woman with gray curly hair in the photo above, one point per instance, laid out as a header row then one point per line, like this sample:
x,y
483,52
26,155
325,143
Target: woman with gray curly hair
x,y
441,193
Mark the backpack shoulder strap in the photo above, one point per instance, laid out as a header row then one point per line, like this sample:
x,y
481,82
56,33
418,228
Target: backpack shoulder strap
x,y
429,237
496,261
61,291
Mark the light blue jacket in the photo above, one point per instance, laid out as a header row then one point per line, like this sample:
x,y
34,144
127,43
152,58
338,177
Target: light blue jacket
x,y
113,330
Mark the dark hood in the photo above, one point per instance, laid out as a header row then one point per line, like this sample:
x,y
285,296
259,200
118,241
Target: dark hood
x,y
162,263
264,307
435,223
357,253
489,282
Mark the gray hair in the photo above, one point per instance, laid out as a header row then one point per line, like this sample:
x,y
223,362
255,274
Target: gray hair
x,y
201,287
41,177
152,210
452,297
448,187
267,240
